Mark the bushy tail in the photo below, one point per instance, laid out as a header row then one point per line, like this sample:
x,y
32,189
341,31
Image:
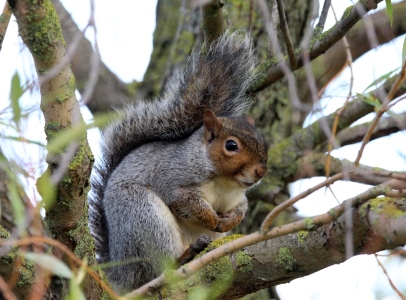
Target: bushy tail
x,y
217,81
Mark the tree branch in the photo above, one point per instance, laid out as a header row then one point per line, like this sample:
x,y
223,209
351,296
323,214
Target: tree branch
x,y
294,255
385,127
313,164
285,31
323,14
213,21
348,20
327,66
4,21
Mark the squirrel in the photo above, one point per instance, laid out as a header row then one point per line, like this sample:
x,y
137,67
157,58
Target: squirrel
x,y
173,172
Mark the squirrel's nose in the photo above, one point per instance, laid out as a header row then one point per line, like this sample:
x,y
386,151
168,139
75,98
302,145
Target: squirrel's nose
x,y
260,171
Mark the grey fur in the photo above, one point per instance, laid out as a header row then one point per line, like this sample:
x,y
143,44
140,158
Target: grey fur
x,y
155,150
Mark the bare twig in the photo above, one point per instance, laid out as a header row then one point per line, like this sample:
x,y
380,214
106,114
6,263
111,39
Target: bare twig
x,y
390,281
381,111
346,22
324,13
95,61
341,110
266,224
5,290
286,35
287,72
384,127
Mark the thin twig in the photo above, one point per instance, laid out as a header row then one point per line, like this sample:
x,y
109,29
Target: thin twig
x,y
346,22
385,126
269,26
286,34
95,61
390,281
266,224
324,13
341,110
381,111
5,290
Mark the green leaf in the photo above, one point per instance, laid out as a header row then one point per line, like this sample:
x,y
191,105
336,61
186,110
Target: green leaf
x,y
16,202
404,51
75,292
22,139
15,94
50,263
76,132
46,189
380,79
389,9
371,100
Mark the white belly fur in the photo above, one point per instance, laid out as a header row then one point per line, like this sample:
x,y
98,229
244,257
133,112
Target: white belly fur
x,y
223,195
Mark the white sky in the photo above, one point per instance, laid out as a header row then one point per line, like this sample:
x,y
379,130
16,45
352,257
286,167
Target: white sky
x,y
125,41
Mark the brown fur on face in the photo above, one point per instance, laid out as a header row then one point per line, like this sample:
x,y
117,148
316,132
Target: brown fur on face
x,y
247,163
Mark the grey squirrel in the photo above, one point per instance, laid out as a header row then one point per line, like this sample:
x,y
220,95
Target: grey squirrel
x,y
174,172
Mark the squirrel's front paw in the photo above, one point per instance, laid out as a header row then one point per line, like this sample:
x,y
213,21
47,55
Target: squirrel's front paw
x,y
228,221
210,221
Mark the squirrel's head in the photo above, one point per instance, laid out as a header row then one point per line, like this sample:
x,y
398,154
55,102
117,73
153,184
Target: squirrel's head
x,y
236,148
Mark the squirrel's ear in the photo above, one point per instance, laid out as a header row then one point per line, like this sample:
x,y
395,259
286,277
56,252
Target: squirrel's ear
x,y
250,121
212,125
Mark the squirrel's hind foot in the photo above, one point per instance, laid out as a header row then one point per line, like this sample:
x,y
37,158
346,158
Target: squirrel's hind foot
x,y
194,249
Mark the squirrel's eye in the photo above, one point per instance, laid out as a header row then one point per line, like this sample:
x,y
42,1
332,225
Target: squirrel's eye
x,y
231,145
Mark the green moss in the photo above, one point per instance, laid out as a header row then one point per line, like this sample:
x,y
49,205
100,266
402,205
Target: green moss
x,y
217,243
9,257
286,259
71,87
347,12
52,129
333,213
83,152
261,73
301,236
43,33
309,224
244,262
3,18
132,88
84,241
382,205
220,267
27,273
4,234
219,274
